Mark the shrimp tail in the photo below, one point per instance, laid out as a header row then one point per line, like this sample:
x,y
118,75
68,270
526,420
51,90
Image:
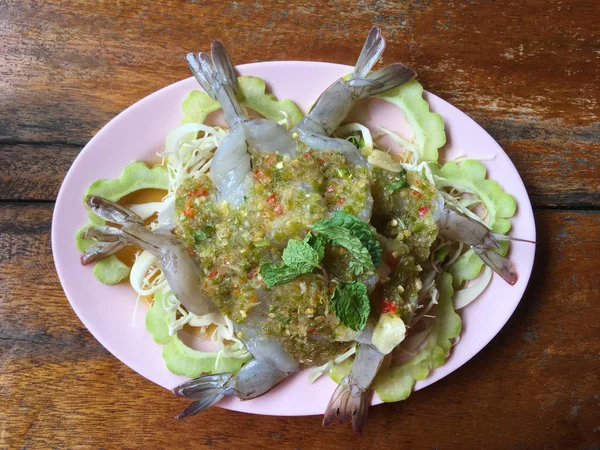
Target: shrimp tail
x,y
205,391
365,85
348,403
108,242
216,75
381,80
113,212
111,239
370,53
254,379
502,266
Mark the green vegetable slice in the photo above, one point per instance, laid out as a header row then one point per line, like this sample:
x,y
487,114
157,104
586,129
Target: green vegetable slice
x,y
470,176
351,304
136,176
197,105
396,383
251,93
181,359
427,126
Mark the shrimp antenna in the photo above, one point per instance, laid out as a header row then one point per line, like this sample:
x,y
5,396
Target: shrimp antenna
x,y
503,237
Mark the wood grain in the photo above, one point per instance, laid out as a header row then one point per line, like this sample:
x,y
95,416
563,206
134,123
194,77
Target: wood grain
x,y
534,386
69,66
556,173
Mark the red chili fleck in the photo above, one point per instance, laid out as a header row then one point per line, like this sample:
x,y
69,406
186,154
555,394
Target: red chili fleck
x,y
423,210
188,211
278,209
260,176
321,160
341,201
307,155
387,307
330,189
213,274
271,199
416,194
198,193
252,274
312,332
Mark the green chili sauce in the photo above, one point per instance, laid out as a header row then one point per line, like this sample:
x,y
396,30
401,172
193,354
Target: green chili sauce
x,y
285,197
402,213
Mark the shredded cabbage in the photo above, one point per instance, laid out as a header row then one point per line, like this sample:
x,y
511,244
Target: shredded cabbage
x,y
465,296
181,359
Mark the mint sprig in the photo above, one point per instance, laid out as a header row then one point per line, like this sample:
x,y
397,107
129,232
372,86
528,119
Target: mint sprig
x,y
357,228
350,301
351,305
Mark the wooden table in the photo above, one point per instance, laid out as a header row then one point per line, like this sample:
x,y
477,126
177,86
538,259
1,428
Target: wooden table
x,y
526,71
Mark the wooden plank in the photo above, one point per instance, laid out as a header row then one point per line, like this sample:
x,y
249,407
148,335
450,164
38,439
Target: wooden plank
x,y
35,172
66,69
534,386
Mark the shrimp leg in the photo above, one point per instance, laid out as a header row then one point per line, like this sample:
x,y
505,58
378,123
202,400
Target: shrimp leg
x,y
181,272
335,103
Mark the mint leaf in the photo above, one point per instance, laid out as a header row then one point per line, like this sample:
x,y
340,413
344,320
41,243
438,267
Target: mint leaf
x,y
344,238
351,305
274,275
361,230
317,242
300,256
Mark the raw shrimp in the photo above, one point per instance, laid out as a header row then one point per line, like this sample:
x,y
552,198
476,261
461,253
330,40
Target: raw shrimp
x,y
334,104
271,363
270,366
460,228
231,163
180,270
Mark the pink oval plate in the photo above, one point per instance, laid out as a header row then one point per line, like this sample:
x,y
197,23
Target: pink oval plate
x,y
140,131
